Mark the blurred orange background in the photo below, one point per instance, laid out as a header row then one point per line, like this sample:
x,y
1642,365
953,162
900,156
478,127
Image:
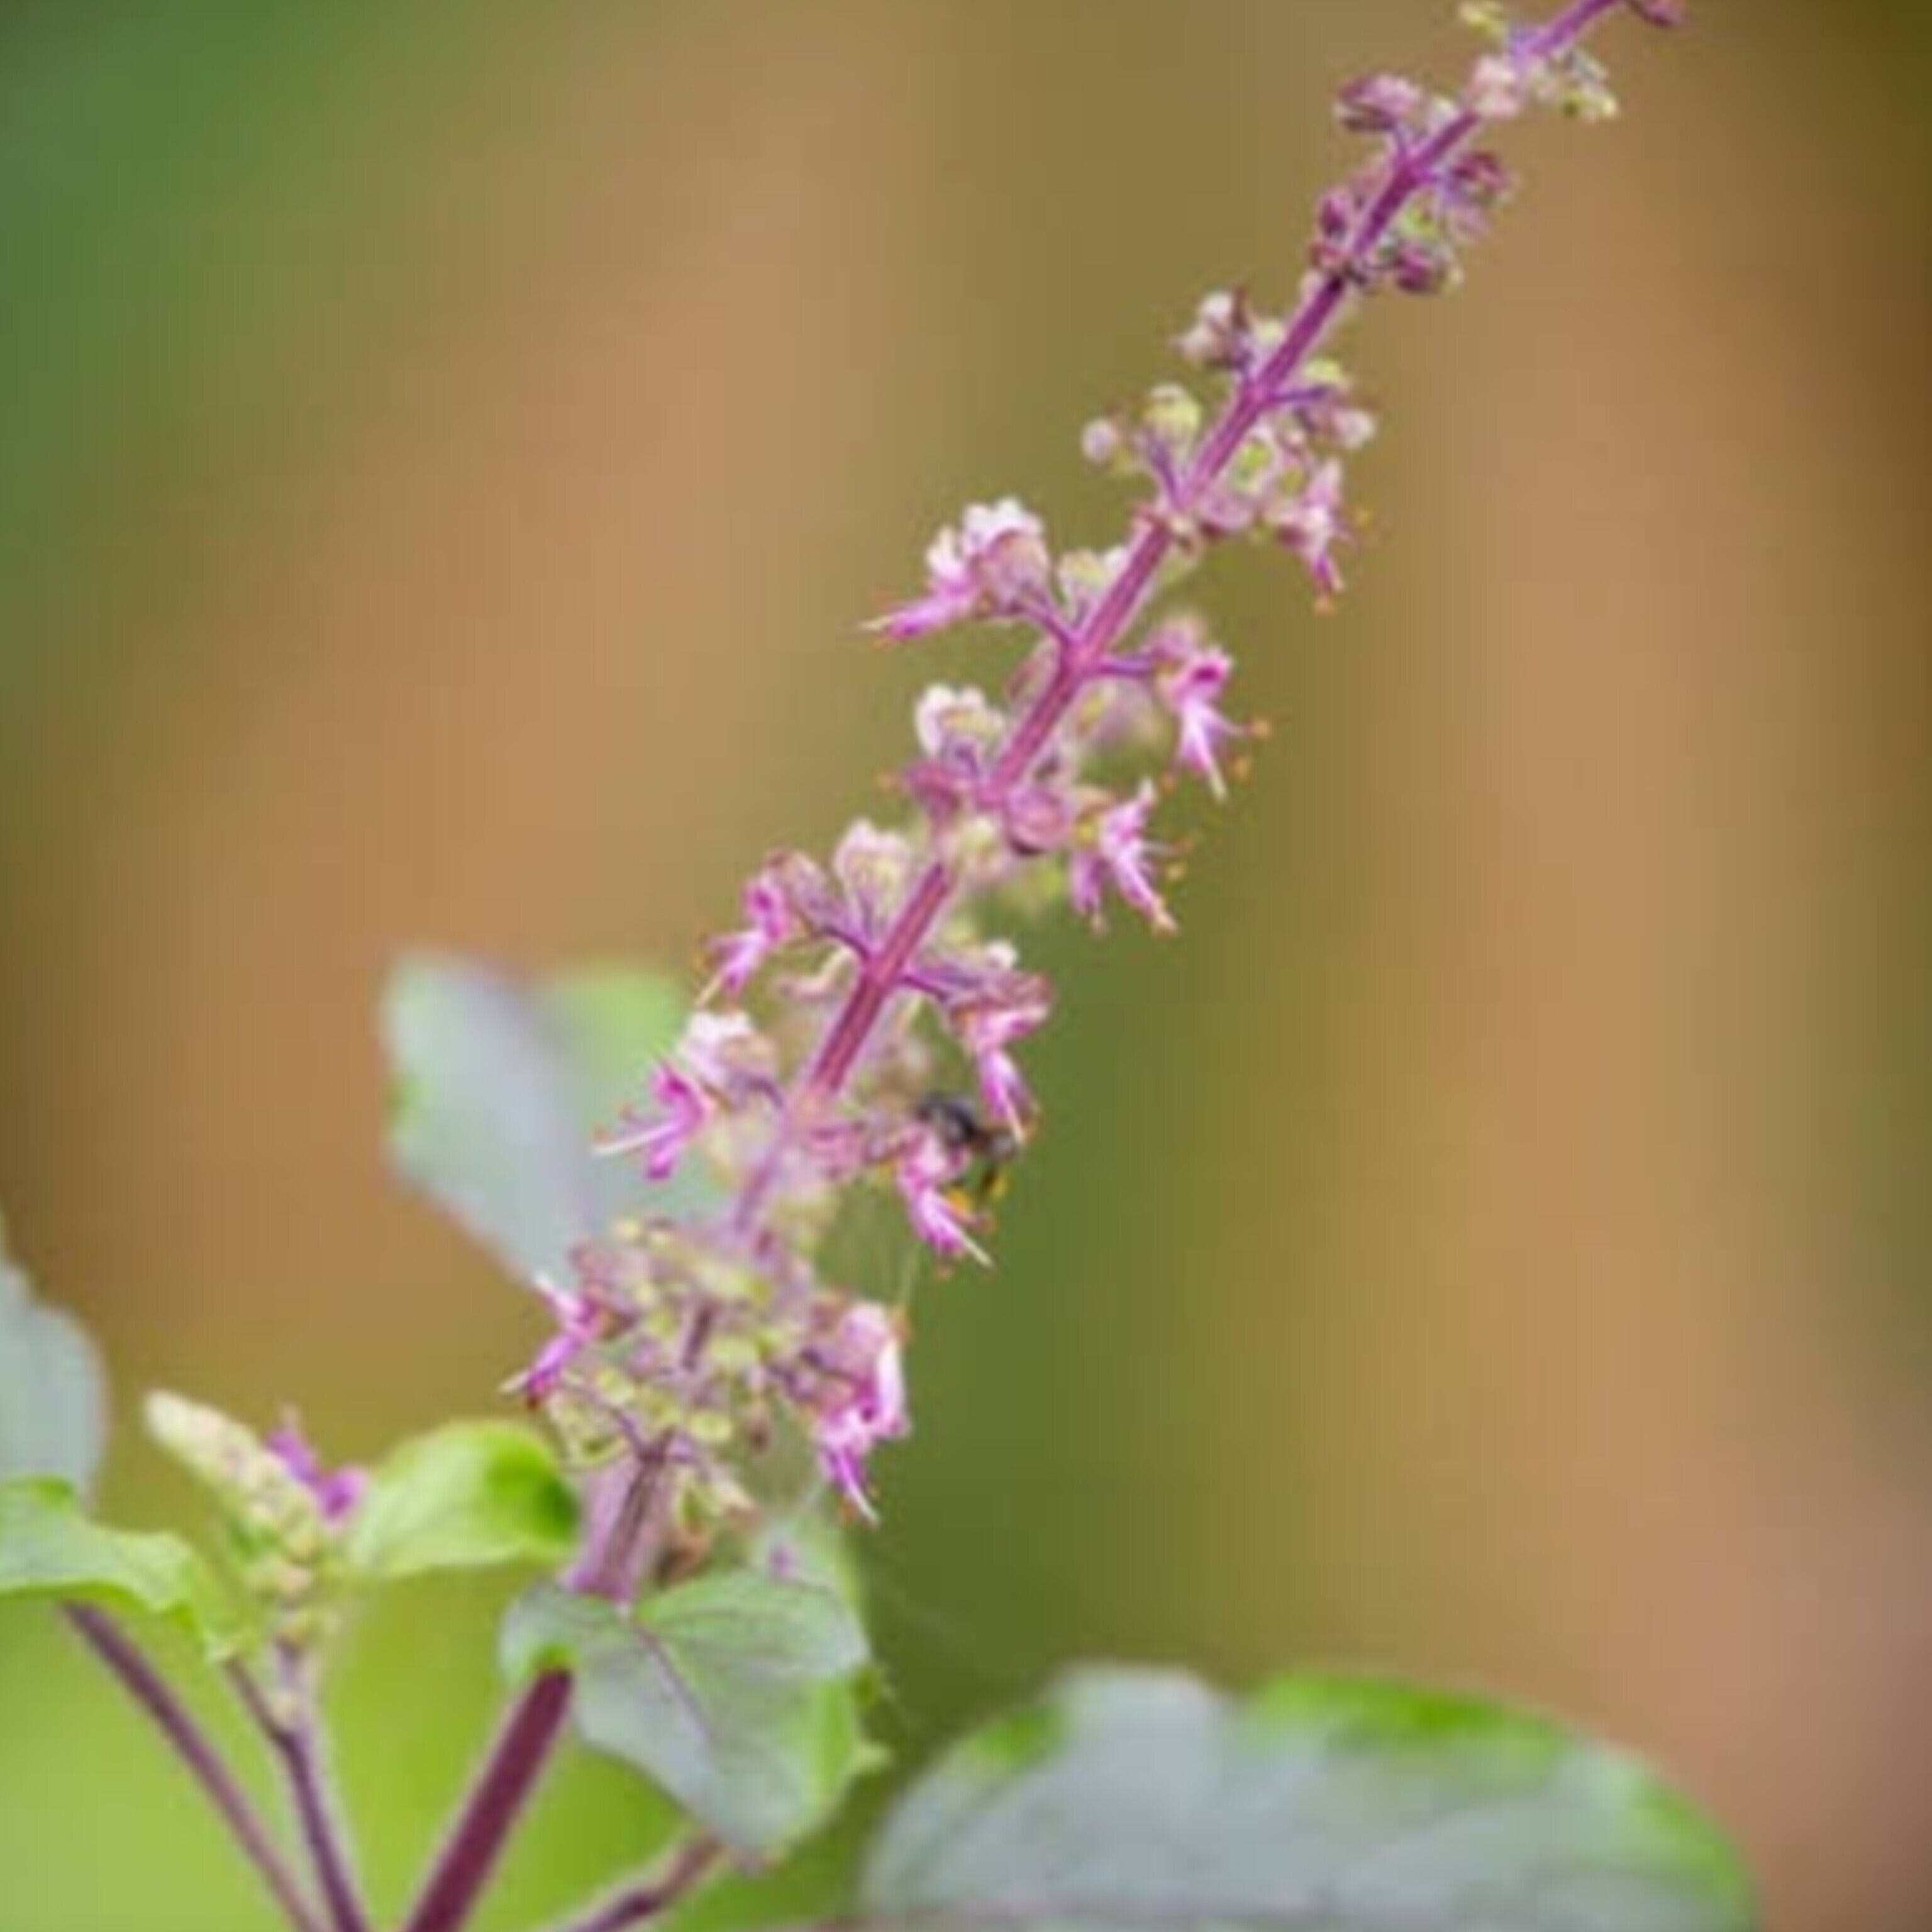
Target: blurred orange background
x,y
447,451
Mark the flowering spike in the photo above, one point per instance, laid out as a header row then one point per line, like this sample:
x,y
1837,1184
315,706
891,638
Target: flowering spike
x,y
285,1512
686,1340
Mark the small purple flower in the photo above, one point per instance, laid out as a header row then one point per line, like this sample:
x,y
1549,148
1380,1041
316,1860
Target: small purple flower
x,y
580,1320
662,1134
1083,577
337,1491
959,731
994,563
1036,820
1008,1006
720,1064
861,1401
925,1172
770,922
1221,335
1120,854
725,1053
1309,523
1472,189
1190,684
1327,412
872,867
1003,1085
1499,88
1381,104
958,724
1338,213
1269,458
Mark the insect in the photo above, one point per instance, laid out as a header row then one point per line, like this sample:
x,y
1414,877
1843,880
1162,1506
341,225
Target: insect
x,y
984,1149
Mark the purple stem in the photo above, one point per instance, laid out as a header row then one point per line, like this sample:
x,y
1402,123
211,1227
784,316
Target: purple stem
x,y
295,1742
634,1904
308,1782
619,1544
1085,651
516,1761
204,1763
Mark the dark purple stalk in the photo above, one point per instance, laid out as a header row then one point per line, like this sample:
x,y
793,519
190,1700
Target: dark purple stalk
x,y
298,1746
1085,651
516,1762
205,1764
618,1546
309,1782
633,1904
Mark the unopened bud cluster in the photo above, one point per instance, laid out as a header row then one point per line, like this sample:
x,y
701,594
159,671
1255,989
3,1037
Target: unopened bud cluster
x,y
861,1025
285,1515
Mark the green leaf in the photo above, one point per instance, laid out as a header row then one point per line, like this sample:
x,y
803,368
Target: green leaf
x,y
464,1497
808,1544
1143,1801
501,1084
49,1547
717,1690
53,1395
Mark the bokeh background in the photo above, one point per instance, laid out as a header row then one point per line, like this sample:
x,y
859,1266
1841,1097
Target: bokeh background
x,y
444,452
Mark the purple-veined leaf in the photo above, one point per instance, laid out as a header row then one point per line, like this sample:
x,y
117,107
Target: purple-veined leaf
x,y
735,1694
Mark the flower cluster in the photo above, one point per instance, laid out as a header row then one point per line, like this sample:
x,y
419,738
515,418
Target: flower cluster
x,y
286,1515
860,1026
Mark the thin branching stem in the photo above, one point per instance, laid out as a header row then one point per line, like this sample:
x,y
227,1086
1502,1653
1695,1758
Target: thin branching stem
x,y
198,1753
516,1761
633,1904
296,1740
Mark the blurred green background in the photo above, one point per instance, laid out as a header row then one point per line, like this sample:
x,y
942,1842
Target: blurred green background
x,y
444,452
